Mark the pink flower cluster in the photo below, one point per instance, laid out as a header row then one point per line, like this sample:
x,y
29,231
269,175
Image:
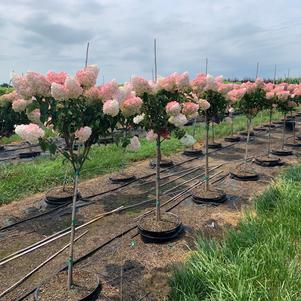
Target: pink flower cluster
x,y
10,97
174,82
131,106
173,108
141,85
20,105
29,132
190,109
87,77
70,90
109,90
56,77
34,116
111,107
83,134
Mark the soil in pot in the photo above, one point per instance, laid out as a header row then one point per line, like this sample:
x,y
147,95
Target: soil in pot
x,y
86,287
122,178
232,139
267,126
268,161
214,145
163,163
164,230
278,122
58,196
282,152
29,155
209,196
193,152
244,174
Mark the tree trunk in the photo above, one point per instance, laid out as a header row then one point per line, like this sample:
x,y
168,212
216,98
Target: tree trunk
x,y
269,138
213,138
232,127
294,128
206,153
72,234
283,131
158,212
248,139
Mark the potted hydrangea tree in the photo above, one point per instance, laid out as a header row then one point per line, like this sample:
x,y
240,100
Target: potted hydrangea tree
x,y
285,103
164,108
212,104
73,109
250,104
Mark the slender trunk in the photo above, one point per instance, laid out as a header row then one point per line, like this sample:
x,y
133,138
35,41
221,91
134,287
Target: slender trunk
x,y
283,131
232,127
158,213
212,132
248,139
206,153
194,129
72,234
261,117
294,128
269,139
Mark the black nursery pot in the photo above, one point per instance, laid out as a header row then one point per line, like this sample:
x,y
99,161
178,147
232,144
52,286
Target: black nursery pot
x,y
248,177
200,198
268,162
58,201
149,236
260,129
163,163
232,139
93,296
2,148
29,155
289,125
214,145
269,126
293,144
122,178
193,152
246,133
282,152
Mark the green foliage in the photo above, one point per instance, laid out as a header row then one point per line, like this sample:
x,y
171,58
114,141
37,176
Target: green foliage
x,y
156,118
218,105
258,261
252,102
25,178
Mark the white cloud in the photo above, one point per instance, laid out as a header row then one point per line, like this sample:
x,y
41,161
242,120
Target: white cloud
x,y
234,35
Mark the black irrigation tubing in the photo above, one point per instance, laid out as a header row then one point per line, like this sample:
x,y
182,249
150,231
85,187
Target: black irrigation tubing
x,y
107,191
93,251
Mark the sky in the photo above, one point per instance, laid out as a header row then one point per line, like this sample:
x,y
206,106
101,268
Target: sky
x,y
43,35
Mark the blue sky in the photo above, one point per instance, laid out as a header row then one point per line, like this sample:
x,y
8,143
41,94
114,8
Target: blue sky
x,y
234,35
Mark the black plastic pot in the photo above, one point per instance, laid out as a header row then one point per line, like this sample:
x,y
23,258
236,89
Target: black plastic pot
x,y
289,125
193,152
232,139
298,137
293,144
93,296
239,177
282,152
215,145
2,148
122,178
260,129
267,126
298,115
149,236
268,162
106,140
201,199
189,123
246,133
57,201
29,155
164,163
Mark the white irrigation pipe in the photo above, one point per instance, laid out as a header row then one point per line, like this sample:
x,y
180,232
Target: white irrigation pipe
x,y
39,266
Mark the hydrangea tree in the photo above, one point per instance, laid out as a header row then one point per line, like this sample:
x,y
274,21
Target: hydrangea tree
x,y
75,109
165,109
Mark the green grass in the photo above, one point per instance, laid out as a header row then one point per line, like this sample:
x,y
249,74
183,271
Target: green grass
x,y
260,260
25,178
11,139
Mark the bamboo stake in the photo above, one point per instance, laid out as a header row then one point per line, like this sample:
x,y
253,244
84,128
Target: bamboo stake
x,y
283,131
257,70
62,235
206,68
248,139
206,153
155,58
39,266
87,55
269,139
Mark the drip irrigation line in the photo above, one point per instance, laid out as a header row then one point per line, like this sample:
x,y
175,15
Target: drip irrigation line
x,y
39,267
96,249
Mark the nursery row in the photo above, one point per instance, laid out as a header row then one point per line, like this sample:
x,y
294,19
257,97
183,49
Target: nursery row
x,y
80,112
